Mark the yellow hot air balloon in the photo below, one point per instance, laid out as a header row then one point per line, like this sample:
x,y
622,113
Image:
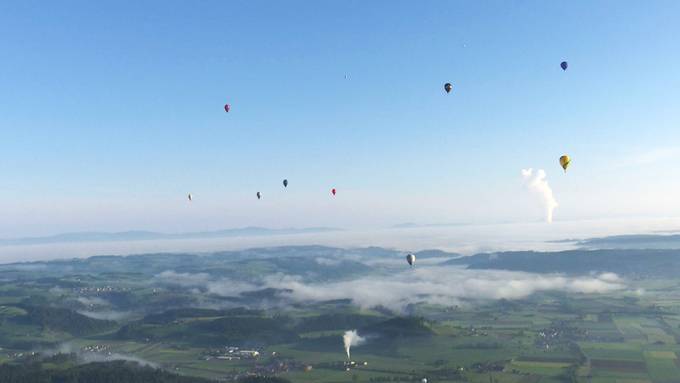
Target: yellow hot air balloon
x,y
564,162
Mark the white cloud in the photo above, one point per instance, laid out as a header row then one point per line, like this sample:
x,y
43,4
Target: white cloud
x,y
230,289
445,285
327,261
205,281
93,301
610,277
107,315
87,357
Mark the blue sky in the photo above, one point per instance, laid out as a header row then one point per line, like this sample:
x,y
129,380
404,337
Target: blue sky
x,y
111,112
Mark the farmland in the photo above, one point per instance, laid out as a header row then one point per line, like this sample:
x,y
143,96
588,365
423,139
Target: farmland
x,y
188,325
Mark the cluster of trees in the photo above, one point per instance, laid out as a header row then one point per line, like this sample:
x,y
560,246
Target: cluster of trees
x,y
482,345
237,330
400,327
62,319
64,368
381,379
100,372
169,316
263,379
336,321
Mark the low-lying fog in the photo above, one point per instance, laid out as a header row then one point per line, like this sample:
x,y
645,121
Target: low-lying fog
x,y
441,285
464,239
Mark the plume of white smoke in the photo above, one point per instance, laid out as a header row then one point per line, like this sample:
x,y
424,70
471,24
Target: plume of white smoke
x,y
351,338
537,183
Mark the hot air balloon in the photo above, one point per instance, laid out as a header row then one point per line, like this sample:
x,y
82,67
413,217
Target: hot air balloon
x,y
226,108
333,191
564,162
259,195
564,65
448,87
411,259
285,183
189,196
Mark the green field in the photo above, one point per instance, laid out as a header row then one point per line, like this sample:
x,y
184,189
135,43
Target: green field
x,y
546,337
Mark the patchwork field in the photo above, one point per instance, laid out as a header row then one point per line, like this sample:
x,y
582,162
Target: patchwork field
x,y
620,336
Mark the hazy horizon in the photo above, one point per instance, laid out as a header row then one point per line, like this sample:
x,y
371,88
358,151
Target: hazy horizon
x,y
464,239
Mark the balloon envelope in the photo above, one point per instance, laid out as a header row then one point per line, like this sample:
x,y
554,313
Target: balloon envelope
x,y
411,259
448,87
285,183
227,108
258,195
564,162
333,191
564,65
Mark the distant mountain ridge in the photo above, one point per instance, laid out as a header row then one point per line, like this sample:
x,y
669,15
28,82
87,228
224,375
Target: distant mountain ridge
x,y
662,240
640,262
142,235
637,241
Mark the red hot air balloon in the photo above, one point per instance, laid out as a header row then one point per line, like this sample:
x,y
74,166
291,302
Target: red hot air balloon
x,y
226,108
333,191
